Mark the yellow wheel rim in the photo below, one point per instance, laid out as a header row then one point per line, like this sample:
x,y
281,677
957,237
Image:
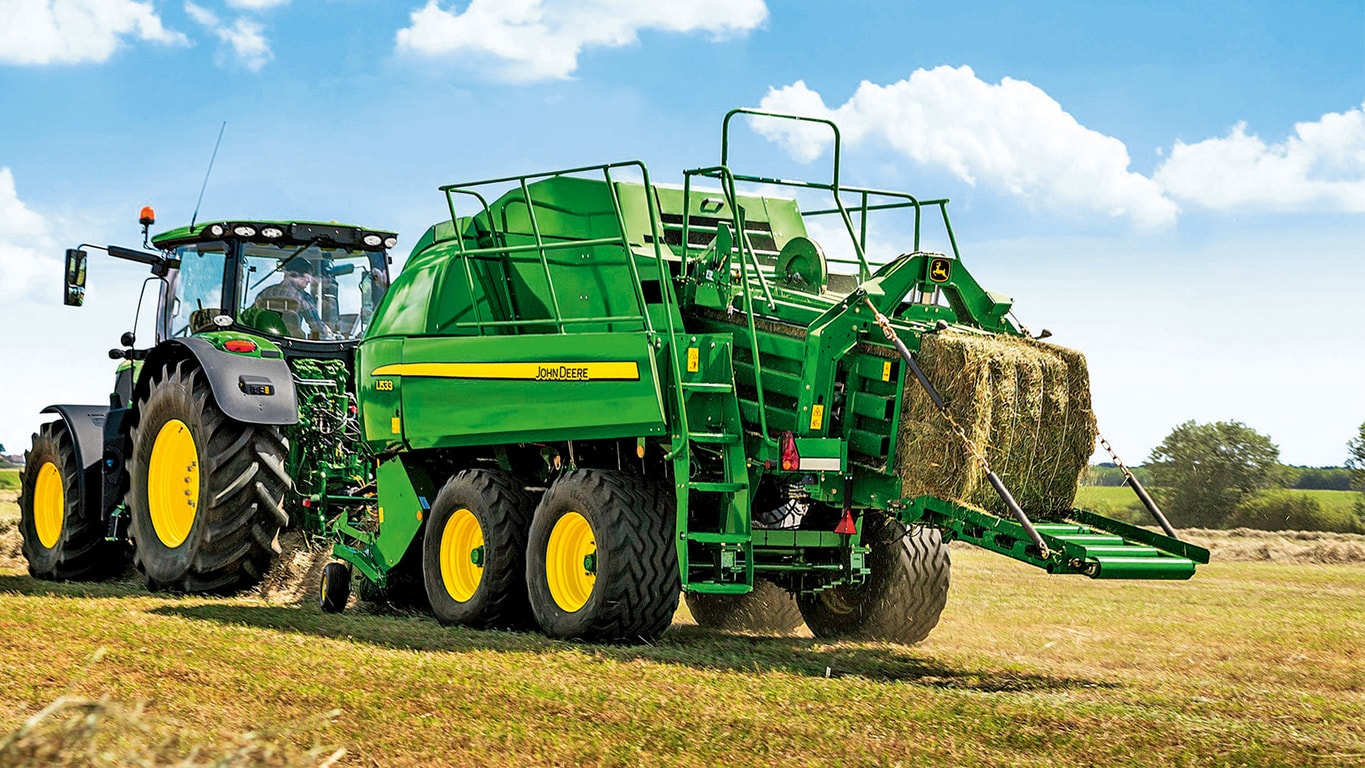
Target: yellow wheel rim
x,y
462,555
571,561
173,483
49,505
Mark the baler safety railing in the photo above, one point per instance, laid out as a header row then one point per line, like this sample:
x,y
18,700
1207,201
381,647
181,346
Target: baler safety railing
x,y
837,190
542,247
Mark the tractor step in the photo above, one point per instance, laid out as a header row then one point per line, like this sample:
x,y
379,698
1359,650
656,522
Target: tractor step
x,y
712,438
1087,543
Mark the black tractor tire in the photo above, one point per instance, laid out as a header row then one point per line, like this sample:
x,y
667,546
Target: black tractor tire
x,y
64,537
234,483
474,551
902,597
626,526
768,609
335,588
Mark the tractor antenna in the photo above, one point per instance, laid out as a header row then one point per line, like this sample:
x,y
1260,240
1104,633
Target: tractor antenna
x,y
207,173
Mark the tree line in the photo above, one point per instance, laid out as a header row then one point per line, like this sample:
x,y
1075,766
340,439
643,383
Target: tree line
x,y
1226,475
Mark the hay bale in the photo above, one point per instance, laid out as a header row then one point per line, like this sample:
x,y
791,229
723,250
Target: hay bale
x,y
1026,404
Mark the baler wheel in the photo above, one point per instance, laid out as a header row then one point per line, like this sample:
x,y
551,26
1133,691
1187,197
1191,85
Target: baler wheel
x,y
206,492
474,550
902,597
601,564
62,538
335,588
769,608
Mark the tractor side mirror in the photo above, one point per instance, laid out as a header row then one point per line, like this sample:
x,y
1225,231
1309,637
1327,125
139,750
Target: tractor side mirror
x,y
75,277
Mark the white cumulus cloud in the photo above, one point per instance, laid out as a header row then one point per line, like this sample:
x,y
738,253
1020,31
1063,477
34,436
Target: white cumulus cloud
x,y
1009,135
528,40
1321,166
35,32
26,245
244,36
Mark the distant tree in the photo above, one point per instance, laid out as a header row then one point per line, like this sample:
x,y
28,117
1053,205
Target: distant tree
x,y
1203,471
1355,458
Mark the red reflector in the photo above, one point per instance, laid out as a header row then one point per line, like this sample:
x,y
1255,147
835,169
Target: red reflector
x,y
240,345
307,503
791,460
846,525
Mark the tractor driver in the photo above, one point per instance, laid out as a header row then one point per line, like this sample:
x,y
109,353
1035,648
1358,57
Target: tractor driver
x,y
293,298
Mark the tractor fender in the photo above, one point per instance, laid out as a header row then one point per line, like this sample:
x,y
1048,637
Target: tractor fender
x,y
85,423
230,376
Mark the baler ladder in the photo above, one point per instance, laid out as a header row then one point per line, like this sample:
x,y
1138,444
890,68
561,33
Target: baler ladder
x,y
715,537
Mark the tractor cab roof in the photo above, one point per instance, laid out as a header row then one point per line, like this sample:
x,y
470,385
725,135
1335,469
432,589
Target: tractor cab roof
x,y
281,232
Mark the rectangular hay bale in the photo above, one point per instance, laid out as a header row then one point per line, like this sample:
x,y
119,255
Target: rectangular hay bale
x,y
1024,403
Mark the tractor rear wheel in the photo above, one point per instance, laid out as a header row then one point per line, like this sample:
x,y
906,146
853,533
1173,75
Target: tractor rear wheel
x,y
63,535
902,597
769,608
601,564
206,492
474,550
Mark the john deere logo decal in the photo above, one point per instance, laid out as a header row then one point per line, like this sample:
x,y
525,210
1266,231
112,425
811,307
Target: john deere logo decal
x,y
940,269
556,371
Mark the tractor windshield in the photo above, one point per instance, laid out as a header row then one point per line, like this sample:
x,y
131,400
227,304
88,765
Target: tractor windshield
x,y
317,293
199,287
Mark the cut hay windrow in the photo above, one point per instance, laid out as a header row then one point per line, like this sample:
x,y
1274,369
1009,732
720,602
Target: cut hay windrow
x,y
1024,403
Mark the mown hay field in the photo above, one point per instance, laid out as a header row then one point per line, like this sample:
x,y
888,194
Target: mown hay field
x,y
1250,663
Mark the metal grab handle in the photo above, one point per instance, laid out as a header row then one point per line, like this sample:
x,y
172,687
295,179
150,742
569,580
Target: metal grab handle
x,y
1008,498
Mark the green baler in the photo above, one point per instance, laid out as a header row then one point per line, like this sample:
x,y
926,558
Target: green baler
x,y
591,392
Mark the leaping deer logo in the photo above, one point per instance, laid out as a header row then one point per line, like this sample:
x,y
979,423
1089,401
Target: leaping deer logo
x,y
939,270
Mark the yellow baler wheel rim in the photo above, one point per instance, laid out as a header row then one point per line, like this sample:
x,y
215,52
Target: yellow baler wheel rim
x,y
567,554
461,555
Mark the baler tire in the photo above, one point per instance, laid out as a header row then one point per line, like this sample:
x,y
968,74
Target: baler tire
x,y
634,588
768,609
491,592
902,597
232,535
334,590
51,507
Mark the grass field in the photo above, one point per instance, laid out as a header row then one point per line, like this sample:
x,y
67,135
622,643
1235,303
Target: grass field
x,y
1120,502
9,479
1248,664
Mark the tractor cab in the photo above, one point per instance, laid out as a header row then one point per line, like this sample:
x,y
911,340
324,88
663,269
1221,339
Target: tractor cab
x,y
309,286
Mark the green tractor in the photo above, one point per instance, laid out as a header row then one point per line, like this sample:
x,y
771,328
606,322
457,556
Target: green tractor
x,y
584,395
217,434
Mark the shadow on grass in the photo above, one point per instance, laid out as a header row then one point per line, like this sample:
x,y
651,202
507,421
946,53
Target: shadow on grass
x,y
27,585
686,645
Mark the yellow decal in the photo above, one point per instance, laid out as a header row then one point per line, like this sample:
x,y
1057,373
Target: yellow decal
x,y
549,371
383,385
940,269
693,359
381,515
817,415
396,425
886,371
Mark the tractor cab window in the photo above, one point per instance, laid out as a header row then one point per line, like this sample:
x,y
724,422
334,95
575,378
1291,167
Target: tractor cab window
x,y
318,293
198,288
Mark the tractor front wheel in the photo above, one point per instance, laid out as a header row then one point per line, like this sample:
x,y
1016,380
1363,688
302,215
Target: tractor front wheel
x,y
601,564
206,492
63,537
474,550
902,597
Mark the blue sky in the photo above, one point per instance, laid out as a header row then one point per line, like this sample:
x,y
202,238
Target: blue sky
x,y
1177,189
